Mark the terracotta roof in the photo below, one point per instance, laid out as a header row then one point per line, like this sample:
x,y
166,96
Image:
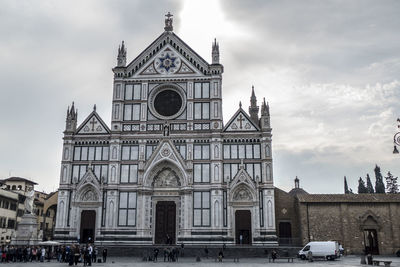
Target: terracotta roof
x,y
18,179
321,198
297,191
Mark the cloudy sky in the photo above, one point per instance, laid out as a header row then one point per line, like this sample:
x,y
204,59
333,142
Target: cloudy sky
x,y
329,69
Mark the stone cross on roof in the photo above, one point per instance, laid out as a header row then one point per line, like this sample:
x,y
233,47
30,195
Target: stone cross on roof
x,y
168,22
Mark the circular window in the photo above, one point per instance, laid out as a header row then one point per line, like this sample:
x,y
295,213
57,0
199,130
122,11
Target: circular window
x,y
167,103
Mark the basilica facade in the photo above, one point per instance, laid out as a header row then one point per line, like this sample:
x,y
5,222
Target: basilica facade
x,y
168,169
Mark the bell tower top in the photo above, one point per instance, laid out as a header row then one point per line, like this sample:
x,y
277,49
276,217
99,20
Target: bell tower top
x,y
168,22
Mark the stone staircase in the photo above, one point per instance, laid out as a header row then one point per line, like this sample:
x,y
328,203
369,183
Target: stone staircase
x,y
194,251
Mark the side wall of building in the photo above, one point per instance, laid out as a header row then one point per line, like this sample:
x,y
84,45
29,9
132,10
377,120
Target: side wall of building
x,y
345,222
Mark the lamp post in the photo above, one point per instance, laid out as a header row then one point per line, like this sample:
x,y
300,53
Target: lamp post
x,y
396,139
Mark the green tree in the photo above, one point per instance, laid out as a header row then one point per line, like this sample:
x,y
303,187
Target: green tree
x,y
379,185
362,189
370,188
391,184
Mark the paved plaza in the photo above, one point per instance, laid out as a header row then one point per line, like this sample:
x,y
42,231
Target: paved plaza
x,y
248,262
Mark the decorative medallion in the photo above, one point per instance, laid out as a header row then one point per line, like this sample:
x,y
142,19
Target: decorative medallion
x,y
165,152
167,63
216,125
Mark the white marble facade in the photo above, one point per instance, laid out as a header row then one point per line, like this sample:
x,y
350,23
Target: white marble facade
x,y
168,151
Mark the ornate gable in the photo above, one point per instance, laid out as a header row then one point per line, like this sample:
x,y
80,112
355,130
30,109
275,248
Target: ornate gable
x,y
88,188
167,55
165,152
243,188
241,122
93,125
168,62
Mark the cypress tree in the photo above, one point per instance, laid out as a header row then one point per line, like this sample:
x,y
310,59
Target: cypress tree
x,y
391,184
379,185
370,188
362,189
346,188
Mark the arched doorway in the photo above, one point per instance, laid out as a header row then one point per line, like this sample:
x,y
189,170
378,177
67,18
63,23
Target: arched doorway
x,y
165,232
243,227
88,226
370,227
371,241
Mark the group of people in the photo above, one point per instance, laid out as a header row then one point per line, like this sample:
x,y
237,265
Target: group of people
x,y
72,254
23,253
76,253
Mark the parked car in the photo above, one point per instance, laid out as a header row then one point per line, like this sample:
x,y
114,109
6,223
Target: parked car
x,y
328,250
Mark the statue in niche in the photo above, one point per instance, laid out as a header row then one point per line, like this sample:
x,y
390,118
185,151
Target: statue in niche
x,y
242,195
166,178
89,196
166,129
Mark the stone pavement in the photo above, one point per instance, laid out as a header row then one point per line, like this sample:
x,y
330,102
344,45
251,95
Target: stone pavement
x,y
248,262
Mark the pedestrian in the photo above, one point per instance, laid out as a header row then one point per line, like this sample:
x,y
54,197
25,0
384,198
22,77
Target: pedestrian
x,y
3,254
42,254
165,253
310,256
220,256
273,255
104,254
90,254
182,249
176,253
95,252
206,251
155,254
34,254
77,254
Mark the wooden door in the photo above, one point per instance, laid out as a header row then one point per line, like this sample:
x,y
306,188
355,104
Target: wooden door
x,y
243,227
165,222
88,226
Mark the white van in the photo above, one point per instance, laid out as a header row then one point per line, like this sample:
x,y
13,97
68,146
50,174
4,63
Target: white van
x,y
326,249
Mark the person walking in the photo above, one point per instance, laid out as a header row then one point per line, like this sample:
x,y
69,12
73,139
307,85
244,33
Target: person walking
x,y
95,252
206,251
155,254
104,254
182,250
42,254
77,254
220,256
90,254
273,255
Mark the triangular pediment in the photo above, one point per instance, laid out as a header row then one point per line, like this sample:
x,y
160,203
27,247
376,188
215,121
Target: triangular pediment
x,y
167,62
165,152
242,177
93,124
88,188
241,122
167,55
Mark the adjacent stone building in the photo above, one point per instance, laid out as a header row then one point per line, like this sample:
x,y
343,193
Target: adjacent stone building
x,y
168,169
360,222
